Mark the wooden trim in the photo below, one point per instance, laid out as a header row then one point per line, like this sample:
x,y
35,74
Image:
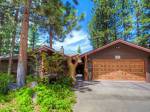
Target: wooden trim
x,y
119,59
86,68
92,70
146,69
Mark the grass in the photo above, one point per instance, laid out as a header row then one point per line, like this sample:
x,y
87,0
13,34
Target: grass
x,y
56,97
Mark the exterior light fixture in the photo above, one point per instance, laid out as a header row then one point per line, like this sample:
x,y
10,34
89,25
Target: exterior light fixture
x,y
117,47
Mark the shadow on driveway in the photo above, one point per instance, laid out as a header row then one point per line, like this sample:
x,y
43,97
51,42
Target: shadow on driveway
x,y
83,86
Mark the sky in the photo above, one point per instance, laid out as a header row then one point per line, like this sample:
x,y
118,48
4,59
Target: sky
x,y
81,37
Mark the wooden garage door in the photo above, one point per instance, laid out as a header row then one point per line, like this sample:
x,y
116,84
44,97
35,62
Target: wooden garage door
x,y
123,69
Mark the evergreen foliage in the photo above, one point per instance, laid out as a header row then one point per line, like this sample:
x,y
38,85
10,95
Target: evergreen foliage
x,y
79,50
126,19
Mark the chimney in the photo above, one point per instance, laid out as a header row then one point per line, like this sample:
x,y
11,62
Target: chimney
x,y
62,50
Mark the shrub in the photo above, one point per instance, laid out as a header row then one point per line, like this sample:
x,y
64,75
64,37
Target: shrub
x,y
24,100
65,80
54,64
3,98
56,97
17,101
62,80
32,78
4,81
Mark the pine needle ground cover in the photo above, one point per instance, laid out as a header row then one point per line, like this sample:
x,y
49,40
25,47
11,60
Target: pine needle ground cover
x,y
56,97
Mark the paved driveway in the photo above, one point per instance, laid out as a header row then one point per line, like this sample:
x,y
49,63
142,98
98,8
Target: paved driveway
x,y
112,96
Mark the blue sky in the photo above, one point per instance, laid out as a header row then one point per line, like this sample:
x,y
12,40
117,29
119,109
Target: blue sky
x,y
80,38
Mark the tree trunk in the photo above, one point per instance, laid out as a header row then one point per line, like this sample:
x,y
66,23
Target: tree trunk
x,y
41,69
1,38
51,38
72,66
123,20
12,45
22,61
33,41
137,23
1,45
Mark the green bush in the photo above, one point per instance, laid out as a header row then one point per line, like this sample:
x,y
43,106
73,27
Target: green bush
x,y
31,78
65,80
4,81
54,64
24,100
3,98
55,97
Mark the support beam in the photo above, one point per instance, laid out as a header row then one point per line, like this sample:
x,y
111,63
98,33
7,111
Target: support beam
x,y
41,69
86,68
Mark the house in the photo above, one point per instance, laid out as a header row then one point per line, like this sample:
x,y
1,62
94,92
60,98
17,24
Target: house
x,y
4,60
119,60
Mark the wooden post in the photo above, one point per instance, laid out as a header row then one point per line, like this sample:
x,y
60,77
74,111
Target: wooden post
x,y
86,68
41,70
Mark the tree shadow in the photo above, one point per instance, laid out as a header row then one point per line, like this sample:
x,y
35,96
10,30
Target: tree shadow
x,y
83,86
121,97
134,85
142,87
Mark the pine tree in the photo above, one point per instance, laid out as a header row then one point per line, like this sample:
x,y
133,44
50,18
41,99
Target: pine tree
x,y
143,31
112,19
33,37
22,61
103,24
79,50
126,19
7,25
11,53
59,18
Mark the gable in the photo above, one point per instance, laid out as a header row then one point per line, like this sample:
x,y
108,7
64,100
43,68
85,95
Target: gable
x,y
121,50
120,41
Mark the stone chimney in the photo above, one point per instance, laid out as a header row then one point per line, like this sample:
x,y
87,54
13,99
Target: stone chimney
x,y
62,50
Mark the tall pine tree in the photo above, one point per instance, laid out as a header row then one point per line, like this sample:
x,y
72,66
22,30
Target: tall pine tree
x,y
103,26
144,38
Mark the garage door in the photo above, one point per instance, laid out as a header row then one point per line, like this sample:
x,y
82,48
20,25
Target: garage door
x,y
123,69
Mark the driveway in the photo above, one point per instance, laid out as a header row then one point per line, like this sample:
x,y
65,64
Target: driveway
x,y
112,96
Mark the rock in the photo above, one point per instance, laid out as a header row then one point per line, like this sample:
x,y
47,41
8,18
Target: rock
x,y
33,84
34,97
12,86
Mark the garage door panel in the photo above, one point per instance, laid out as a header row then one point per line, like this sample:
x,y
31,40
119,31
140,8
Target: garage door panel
x,y
127,69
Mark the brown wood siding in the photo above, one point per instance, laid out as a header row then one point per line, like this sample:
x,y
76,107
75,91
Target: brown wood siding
x,y
4,66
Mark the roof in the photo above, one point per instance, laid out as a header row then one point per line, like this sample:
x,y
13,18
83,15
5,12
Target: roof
x,y
46,48
6,57
116,42
42,48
